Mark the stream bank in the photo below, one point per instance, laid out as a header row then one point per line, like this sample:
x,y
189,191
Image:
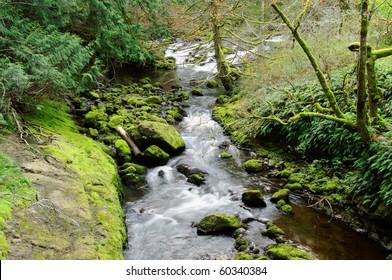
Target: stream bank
x,y
72,209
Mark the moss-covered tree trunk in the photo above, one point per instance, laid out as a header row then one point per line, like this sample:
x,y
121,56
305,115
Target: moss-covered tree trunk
x,y
362,119
224,72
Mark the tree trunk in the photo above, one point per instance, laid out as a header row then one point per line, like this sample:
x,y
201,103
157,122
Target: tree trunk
x,y
224,72
362,119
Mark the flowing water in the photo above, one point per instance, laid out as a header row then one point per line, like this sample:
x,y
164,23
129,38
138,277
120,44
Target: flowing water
x,y
161,218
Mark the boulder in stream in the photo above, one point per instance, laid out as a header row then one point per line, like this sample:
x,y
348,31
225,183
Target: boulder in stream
x,y
195,175
164,136
280,194
253,198
286,252
217,224
253,165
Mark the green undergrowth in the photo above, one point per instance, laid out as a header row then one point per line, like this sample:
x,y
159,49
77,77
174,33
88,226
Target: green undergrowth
x,y
96,171
348,166
15,191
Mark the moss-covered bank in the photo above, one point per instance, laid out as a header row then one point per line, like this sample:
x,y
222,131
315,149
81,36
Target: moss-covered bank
x,y
76,212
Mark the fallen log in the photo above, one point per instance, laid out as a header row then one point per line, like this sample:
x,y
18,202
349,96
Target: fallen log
x,y
124,135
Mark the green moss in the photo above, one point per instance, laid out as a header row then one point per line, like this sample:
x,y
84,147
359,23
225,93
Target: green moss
x,y
197,92
140,169
217,223
245,256
133,180
225,155
294,178
323,186
280,194
154,156
280,203
3,246
253,198
286,252
212,84
294,186
156,133
154,100
285,173
93,95
93,117
93,132
253,165
82,155
116,121
123,150
197,179
273,231
287,209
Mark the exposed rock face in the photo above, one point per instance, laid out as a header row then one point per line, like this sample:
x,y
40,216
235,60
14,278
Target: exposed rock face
x,y
218,223
164,136
253,198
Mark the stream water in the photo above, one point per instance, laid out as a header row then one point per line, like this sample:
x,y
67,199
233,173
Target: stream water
x,y
160,218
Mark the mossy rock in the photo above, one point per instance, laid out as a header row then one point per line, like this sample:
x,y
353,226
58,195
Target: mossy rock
x,y
323,186
295,178
225,155
245,256
389,257
286,252
285,173
218,223
253,198
116,121
287,209
93,133
140,169
280,194
93,95
197,92
273,231
133,180
123,151
212,84
93,117
253,165
294,186
280,203
241,244
154,156
160,134
154,100
197,178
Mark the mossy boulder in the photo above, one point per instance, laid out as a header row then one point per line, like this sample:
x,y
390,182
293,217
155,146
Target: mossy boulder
x,y
218,223
245,256
280,194
93,95
225,155
294,186
212,84
253,198
116,121
287,209
149,133
295,178
197,179
197,92
93,133
253,165
133,180
241,244
154,156
324,186
285,173
92,118
273,231
286,252
123,151
280,203
139,169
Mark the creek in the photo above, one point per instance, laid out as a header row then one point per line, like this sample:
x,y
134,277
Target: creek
x,y
160,218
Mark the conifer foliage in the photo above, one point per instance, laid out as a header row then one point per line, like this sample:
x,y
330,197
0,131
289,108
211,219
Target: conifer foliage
x,y
63,46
